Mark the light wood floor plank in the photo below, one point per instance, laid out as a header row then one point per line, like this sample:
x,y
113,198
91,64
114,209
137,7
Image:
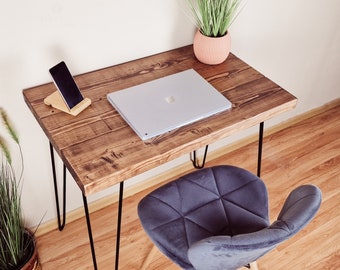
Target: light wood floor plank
x,y
306,152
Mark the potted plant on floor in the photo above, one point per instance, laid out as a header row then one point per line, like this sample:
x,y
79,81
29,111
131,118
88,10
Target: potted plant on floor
x,y
212,19
18,246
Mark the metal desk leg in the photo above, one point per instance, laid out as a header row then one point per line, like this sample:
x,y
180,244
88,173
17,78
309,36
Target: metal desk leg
x,y
119,222
259,157
194,159
61,225
89,229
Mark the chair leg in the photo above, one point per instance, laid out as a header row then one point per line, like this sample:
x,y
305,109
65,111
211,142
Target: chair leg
x,y
149,258
253,266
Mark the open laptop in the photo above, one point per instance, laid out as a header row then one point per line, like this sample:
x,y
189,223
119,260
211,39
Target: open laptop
x,y
164,104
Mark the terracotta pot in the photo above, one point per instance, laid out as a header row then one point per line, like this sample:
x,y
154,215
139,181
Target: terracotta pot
x,y
211,50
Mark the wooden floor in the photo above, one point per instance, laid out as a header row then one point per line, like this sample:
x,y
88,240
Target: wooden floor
x,y
306,152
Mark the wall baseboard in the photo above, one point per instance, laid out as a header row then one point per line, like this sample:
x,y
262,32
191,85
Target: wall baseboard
x,y
181,169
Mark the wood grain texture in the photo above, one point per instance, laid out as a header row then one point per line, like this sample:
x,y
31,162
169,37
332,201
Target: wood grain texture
x,y
305,152
101,150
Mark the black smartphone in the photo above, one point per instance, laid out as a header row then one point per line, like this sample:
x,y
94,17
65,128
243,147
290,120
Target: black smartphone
x,y
66,85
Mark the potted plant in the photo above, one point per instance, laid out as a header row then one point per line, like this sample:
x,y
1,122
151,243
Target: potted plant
x,y
212,19
18,246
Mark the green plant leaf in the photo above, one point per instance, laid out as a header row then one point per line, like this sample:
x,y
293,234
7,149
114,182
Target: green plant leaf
x,y
212,17
8,125
12,230
4,148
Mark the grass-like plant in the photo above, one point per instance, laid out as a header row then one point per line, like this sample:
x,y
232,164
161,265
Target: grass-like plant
x,y
212,17
13,236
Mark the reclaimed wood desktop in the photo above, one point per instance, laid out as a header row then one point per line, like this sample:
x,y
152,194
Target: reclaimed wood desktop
x,y
100,149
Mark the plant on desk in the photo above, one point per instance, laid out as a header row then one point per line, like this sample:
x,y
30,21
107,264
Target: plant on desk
x,y
212,18
18,247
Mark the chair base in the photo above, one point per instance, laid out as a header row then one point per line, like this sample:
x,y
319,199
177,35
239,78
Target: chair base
x,y
148,258
251,266
153,250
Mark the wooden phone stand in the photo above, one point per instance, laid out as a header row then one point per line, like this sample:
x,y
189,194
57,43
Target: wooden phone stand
x,y
56,101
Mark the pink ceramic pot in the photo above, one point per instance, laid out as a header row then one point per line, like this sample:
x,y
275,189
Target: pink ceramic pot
x,y
211,50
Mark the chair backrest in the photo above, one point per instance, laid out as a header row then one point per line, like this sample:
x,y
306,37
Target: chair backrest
x,y
221,200
231,252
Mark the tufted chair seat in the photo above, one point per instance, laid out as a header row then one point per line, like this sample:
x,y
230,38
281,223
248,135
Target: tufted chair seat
x,y
217,218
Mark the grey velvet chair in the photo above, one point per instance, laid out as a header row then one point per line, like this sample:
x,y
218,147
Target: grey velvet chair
x,y
217,218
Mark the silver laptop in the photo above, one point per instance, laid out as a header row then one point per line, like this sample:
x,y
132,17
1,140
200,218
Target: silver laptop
x,y
164,104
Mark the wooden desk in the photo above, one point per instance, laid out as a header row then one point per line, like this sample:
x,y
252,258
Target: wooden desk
x,y
100,149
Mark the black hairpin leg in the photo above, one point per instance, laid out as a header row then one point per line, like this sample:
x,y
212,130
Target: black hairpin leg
x,y
259,157
119,222
89,229
61,225
195,161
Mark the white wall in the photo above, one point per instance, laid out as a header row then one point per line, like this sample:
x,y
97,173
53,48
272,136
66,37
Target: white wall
x,y
295,43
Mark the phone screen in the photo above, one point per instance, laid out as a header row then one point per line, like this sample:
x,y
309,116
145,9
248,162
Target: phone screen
x,y
66,85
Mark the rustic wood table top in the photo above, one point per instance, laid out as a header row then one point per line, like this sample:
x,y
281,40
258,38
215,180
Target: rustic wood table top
x,y
100,149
